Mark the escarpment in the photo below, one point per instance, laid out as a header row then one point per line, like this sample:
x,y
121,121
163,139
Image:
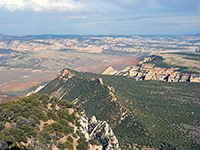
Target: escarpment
x,y
147,71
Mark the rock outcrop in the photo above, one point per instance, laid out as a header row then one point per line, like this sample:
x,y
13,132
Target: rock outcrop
x,y
147,71
102,132
110,71
99,80
65,72
99,131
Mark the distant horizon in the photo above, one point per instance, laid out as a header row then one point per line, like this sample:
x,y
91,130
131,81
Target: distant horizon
x,y
55,34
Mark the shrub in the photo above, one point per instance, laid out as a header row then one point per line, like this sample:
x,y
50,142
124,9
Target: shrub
x,y
36,120
44,98
93,142
1,118
29,147
66,104
19,135
68,130
70,118
69,145
70,139
81,146
55,142
48,128
61,146
83,141
63,113
57,127
39,113
2,126
28,130
53,105
63,122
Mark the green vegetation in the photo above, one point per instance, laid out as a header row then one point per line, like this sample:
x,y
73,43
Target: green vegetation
x,y
65,145
83,144
147,113
30,119
70,139
93,142
188,63
158,61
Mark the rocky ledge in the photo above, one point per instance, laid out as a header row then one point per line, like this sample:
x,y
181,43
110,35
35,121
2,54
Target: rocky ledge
x,y
148,71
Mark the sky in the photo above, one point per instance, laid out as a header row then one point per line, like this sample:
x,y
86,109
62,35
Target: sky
x,y
117,17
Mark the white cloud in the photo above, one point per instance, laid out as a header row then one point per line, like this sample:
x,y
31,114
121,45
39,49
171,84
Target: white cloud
x,y
40,5
77,17
11,5
176,20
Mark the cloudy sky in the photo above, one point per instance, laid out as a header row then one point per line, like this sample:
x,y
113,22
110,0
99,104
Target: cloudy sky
x,y
100,17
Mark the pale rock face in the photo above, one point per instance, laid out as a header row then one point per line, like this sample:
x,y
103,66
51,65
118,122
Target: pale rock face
x,y
84,125
99,80
149,75
175,78
184,78
98,130
195,78
65,72
150,72
101,131
110,71
93,120
133,73
36,90
161,77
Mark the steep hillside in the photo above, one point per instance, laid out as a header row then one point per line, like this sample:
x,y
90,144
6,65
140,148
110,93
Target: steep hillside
x,y
143,114
38,122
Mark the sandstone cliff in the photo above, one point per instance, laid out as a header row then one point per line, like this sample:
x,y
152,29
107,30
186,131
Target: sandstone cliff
x,y
148,71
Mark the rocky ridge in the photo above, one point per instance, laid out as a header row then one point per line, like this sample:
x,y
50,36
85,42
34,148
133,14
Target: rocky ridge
x,y
147,71
118,99
99,131
92,128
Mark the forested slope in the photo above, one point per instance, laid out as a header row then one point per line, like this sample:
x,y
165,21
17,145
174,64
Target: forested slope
x,y
142,113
